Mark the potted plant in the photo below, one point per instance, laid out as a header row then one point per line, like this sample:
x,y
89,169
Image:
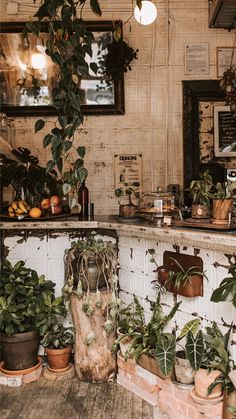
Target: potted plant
x,y
209,357
58,343
200,193
227,288
91,285
186,281
221,204
28,308
128,191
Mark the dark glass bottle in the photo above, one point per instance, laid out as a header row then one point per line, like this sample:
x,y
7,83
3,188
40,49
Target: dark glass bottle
x,y
83,199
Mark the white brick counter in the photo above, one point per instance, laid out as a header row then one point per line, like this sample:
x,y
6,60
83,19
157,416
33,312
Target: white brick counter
x,y
42,245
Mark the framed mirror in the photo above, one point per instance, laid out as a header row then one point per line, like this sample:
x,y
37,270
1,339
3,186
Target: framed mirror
x,y
27,74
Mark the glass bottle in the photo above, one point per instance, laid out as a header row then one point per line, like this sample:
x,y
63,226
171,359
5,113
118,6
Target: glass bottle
x,y
83,199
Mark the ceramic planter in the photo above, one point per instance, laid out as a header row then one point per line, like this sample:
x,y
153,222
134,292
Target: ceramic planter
x,y
229,401
125,343
199,211
150,364
193,288
203,379
58,359
20,350
183,370
221,209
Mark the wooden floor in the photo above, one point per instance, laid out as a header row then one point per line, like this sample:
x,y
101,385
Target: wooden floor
x,y
71,399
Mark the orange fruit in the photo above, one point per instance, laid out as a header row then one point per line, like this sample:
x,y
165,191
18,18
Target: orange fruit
x,y
35,212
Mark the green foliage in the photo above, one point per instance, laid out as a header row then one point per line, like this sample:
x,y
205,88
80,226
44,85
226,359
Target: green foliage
x,y
192,326
27,301
165,352
129,191
58,337
227,288
195,349
200,189
182,276
26,173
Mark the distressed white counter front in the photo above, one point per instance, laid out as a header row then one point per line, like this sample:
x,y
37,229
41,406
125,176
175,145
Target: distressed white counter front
x,y
42,245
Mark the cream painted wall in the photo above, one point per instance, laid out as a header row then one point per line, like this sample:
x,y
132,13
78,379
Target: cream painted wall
x,y
152,124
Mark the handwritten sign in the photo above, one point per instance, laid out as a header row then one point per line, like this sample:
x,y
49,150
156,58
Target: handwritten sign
x,y
224,132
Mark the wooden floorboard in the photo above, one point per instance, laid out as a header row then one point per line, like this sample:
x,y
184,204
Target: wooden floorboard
x,y
71,399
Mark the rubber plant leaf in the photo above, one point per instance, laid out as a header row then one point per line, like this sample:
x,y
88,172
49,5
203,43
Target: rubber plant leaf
x,y
195,349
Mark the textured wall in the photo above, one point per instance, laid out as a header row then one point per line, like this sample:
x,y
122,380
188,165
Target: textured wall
x,y
152,124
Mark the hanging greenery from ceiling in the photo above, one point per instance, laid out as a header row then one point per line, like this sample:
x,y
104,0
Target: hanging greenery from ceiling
x,y
67,45
228,83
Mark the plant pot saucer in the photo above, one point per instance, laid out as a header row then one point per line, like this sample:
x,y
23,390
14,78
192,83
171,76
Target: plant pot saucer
x,y
20,372
219,222
201,400
60,369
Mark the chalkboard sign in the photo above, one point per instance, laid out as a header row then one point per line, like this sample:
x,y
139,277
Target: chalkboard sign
x,y
224,132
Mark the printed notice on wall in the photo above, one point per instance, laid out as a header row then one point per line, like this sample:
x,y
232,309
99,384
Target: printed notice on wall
x,y
128,169
197,58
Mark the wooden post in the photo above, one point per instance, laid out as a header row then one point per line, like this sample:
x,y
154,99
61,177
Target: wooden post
x,y
93,362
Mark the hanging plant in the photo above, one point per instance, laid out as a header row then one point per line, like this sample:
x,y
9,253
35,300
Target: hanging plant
x,y
228,83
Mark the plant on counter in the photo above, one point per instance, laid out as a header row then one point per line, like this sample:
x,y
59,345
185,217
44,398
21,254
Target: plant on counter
x,y
199,191
28,307
128,191
227,288
221,203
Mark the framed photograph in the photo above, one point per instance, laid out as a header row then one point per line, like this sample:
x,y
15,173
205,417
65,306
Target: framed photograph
x,y
28,76
224,132
128,169
197,58
223,59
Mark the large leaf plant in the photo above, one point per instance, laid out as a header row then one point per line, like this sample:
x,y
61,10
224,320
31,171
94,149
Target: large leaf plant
x,y
67,45
27,301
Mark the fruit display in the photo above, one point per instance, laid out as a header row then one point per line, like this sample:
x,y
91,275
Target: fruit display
x,y
18,208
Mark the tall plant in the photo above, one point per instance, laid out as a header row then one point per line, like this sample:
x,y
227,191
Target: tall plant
x,y
67,45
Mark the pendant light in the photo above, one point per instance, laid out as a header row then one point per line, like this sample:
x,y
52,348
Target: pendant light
x,y
147,14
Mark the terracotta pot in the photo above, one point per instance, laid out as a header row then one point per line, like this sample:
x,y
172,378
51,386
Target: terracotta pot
x,y
150,364
58,359
229,401
183,370
20,350
193,288
203,379
199,211
221,209
127,210
125,344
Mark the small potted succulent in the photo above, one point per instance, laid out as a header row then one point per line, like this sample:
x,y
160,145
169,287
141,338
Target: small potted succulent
x,y
200,193
129,191
58,343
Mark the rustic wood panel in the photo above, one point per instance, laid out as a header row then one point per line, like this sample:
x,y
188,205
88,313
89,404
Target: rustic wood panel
x,y
71,399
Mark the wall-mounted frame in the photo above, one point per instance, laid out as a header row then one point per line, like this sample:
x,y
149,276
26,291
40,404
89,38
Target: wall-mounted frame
x,y
128,169
17,72
223,59
194,92
224,132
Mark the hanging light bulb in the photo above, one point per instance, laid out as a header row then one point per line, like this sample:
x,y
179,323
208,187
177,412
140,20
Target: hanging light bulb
x,y
147,14
38,61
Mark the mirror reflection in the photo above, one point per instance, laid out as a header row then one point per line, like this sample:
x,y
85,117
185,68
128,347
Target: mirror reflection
x,y
28,76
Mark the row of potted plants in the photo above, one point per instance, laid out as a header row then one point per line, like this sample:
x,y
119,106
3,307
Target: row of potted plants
x,y
203,358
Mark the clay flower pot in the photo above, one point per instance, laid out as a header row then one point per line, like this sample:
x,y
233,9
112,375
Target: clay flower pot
x,y
150,364
127,210
203,378
199,211
183,370
58,359
221,210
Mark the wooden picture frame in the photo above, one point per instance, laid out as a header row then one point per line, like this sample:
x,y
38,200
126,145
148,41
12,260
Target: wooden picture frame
x,y
101,102
223,59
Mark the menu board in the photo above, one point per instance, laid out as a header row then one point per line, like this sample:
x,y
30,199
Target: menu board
x,y
224,132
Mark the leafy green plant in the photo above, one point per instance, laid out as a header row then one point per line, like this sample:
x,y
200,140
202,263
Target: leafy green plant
x,y
200,189
227,289
183,276
58,337
25,173
128,191
27,301
165,352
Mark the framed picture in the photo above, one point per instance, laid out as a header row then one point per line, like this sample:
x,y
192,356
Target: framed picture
x,y
28,76
197,58
224,132
128,169
223,59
